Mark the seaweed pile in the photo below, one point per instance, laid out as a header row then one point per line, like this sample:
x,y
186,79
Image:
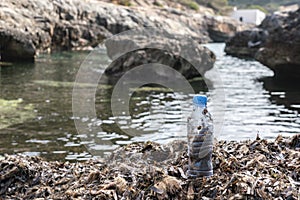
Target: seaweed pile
x,y
258,169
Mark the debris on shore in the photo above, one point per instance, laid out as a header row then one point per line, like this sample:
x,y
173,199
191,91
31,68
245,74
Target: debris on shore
x,y
258,169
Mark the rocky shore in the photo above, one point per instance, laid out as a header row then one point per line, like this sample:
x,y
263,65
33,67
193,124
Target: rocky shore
x,y
257,169
275,43
29,27
139,47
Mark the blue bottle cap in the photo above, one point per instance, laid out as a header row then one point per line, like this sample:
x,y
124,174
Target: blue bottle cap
x,y
200,100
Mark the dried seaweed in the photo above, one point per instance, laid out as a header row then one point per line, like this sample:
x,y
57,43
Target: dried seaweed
x,y
258,169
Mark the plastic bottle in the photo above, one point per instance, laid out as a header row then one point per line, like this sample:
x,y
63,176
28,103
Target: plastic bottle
x,y
200,139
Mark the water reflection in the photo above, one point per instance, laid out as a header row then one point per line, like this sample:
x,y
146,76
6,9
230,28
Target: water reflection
x,y
255,102
51,132
249,105
284,91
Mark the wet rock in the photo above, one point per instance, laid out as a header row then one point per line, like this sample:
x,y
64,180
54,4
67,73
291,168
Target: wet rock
x,y
280,52
16,46
146,47
278,45
246,43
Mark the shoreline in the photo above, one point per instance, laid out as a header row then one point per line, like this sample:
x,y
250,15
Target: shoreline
x,y
253,169
33,27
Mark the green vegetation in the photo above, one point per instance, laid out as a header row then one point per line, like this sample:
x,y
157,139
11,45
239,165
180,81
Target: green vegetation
x,y
267,5
156,3
220,6
225,6
14,112
258,7
151,89
124,2
70,84
190,4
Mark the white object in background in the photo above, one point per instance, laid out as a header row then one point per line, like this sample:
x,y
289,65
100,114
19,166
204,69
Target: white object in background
x,y
253,16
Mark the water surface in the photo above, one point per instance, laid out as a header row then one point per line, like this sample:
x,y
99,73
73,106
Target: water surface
x,y
37,118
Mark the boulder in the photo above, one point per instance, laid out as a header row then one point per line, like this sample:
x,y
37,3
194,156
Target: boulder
x,y
276,43
246,43
183,54
16,46
281,51
282,58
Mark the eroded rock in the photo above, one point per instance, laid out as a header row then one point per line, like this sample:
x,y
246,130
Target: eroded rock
x,y
281,51
52,25
246,43
145,47
278,46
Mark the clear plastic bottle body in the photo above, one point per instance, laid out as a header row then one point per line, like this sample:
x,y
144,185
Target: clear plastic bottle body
x,y
200,142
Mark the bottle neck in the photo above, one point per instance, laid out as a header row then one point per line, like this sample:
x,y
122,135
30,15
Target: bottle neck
x,y
199,106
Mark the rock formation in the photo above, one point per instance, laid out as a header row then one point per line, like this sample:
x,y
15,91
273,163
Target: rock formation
x,y
246,43
282,48
278,43
181,53
29,27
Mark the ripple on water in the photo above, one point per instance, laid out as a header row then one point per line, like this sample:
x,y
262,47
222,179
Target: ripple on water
x,y
157,114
